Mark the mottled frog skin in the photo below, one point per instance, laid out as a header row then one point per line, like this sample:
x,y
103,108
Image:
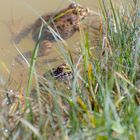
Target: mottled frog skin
x,y
65,23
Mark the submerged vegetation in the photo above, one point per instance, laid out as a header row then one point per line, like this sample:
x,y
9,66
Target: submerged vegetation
x,y
101,101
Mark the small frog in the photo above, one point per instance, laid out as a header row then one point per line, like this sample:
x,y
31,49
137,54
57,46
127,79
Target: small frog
x,y
62,72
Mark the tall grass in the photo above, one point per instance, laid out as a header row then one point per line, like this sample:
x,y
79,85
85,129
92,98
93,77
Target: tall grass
x,y
100,102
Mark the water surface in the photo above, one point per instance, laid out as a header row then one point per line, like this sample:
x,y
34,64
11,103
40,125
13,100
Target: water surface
x,y
22,13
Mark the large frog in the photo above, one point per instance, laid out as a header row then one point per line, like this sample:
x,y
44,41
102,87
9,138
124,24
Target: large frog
x,y
65,23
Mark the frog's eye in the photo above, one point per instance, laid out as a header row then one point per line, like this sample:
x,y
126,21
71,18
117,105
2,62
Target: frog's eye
x,y
73,5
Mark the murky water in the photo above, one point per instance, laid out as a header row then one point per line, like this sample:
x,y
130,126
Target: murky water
x,y
22,13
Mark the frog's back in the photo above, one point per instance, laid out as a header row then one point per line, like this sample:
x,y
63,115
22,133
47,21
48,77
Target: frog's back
x,y
65,23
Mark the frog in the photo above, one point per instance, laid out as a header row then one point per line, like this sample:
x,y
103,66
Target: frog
x,y
62,72
64,23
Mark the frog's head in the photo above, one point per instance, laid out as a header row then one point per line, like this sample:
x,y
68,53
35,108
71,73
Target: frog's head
x,y
79,10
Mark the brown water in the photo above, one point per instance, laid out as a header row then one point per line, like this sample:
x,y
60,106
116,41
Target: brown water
x,y
19,10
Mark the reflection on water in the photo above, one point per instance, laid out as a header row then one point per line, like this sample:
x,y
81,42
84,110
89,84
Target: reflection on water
x,y
22,15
